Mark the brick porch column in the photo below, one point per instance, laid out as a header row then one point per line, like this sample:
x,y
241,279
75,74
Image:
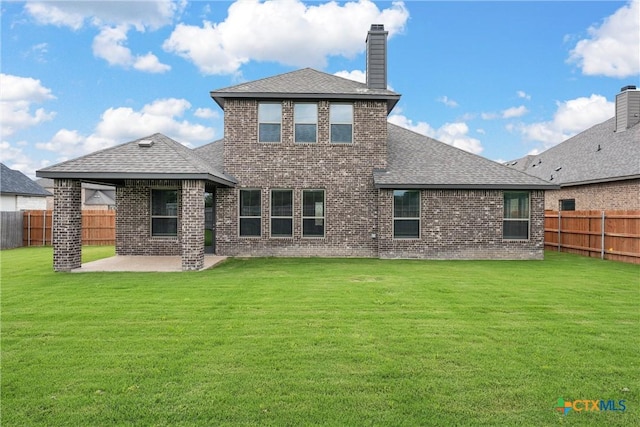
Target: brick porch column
x,y
67,224
192,224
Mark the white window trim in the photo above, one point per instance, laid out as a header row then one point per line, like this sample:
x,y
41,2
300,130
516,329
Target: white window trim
x,y
295,122
528,219
293,206
323,217
279,123
241,216
331,122
394,217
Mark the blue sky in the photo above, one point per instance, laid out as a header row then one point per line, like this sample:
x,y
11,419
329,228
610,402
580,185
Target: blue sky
x,y
499,79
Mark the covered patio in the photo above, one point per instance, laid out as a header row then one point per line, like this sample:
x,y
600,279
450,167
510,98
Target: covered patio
x,y
140,263
160,204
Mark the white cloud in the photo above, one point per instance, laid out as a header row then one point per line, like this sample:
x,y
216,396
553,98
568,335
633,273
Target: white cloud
x,y
356,75
17,96
122,124
570,118
512,112
448,102
455,134
114,21
613,48
286,31
206,113
522,94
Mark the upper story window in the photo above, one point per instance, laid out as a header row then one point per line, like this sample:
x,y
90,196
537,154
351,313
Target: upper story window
x,y
516,215
305,117
406,214
164,213
341,122
269,122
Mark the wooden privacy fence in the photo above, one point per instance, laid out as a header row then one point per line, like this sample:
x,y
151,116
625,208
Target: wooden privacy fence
x,y
613,235
98,227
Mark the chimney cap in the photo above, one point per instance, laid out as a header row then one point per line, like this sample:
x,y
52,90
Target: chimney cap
x,y
377,27
628,87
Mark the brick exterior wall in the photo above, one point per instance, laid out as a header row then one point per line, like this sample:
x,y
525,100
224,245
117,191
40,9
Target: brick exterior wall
x,y
67,225
192,225
133,220
618,195
344,171
461,224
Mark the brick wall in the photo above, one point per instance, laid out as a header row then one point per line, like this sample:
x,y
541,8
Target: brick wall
x,y
192,224
461,224
133,220
67,225
617,195
344,171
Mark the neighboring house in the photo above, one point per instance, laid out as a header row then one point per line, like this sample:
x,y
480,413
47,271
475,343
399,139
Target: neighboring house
x,y
18,192
598,169
94,196
309,166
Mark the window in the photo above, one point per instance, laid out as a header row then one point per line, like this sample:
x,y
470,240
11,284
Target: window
x,y
281,213
250,213
568,204
312,213
406,214
269,122
516,216
305,117
164,213
341,121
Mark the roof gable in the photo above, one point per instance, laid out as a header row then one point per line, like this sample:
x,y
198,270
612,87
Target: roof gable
x,y
417,161
16,183
597,154
153,157
306,83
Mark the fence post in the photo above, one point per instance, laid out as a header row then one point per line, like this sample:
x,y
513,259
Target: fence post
x,y
559,232
602,237
28,228
44,227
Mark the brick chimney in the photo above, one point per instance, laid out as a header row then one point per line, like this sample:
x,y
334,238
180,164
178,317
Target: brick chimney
x,y
377,57
627,108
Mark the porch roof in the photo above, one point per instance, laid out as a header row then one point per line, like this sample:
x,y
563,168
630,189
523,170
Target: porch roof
x,y
153,157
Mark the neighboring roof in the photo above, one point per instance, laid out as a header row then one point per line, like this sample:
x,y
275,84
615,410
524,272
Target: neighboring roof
x,y
100,197
153,157
305,84
13,182
596,155
417,161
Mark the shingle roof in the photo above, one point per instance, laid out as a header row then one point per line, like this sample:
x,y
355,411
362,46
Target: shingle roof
x,y
213,153
153,157
596,155
417,161
306,83
13,182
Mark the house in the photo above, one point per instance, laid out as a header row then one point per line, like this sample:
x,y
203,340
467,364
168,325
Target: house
x,y
18,192
309,166
94,196
598,169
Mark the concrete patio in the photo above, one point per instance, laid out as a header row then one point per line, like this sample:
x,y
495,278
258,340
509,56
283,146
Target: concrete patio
x,y
143,263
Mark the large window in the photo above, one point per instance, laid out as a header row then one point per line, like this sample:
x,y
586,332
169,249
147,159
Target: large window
x,y
250,213
269,122
305,117
341,121
281,213
406,214
516,216
312,213
164,213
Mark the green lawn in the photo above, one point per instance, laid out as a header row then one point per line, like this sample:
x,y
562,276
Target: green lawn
x,y
320,342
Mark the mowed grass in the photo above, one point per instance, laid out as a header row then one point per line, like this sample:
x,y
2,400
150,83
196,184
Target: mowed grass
x,y
319,342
